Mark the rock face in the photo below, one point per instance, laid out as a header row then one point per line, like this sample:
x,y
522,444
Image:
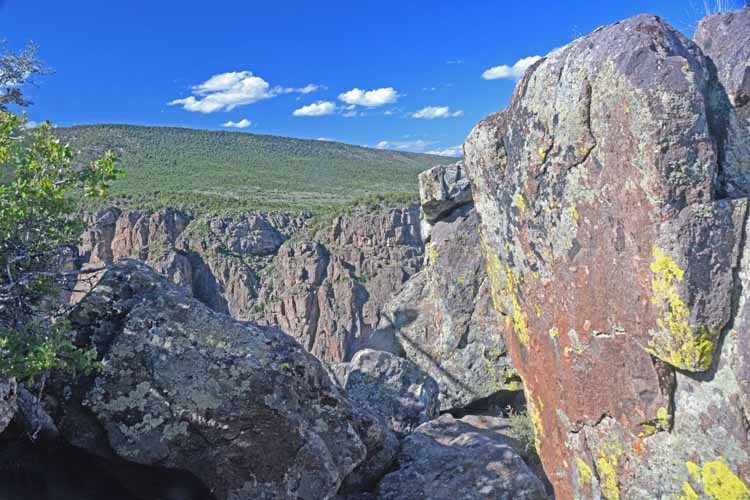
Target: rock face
x,y
327,286
219,259
723,39
392,387
8,403
613,222
244,409
443,318
448,459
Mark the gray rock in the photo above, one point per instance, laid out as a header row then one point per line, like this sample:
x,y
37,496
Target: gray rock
x,y
328,285
219,258
444,317
725,39
244,409
443,188
449,459
8,403
392,387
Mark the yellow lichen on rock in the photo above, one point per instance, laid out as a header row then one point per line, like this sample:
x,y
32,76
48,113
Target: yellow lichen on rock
x,y
520,202
688,493
536,420
720,483
677,343
585,474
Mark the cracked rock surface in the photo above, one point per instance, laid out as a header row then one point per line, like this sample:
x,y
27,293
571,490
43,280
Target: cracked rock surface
x,y
613,208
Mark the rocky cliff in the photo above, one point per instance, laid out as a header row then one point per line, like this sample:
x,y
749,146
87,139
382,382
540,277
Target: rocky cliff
x,y
612,193
328,285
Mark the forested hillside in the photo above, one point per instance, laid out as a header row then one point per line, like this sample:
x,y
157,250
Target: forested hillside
x,y
214,171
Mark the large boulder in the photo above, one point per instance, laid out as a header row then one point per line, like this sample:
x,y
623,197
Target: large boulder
x,y
443,188
328,285
392,387
613,224
443,317
448,459
244,409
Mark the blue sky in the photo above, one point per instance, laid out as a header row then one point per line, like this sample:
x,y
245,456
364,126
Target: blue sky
x,y
369,73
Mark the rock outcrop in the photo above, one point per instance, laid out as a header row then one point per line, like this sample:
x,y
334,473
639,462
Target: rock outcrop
x,y
8,403
389,386
328,285
723,39
219,259
448,459
244,409
613,223
443,318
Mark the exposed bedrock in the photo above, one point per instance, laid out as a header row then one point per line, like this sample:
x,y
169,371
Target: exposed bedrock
x,y
219,259
612,196
443,317
328,285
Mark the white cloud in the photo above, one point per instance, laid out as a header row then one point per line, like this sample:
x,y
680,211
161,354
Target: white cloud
x,y
455,151
225,91
320,108
454,61
244,123
514,72
370,98
31,124
349,114
307,89
324,139
311,87
417,145
432,112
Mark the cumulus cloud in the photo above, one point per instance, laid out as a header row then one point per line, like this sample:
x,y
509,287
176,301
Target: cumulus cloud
x,y
455,151
432,112
514,72
244,123
417,145
320,108
370,98
225,92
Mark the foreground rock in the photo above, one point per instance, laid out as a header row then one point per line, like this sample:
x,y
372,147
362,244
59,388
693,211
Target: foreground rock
x,y
449,459
614,259
245,410
392,387
443,318
328,285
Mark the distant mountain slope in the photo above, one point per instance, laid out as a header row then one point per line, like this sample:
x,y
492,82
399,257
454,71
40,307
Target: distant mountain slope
x,y
214,171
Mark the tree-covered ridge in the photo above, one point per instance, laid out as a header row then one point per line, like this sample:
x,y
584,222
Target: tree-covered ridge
x,y
208,171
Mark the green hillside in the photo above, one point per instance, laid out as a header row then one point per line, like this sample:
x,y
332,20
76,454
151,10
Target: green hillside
x,y
208,171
